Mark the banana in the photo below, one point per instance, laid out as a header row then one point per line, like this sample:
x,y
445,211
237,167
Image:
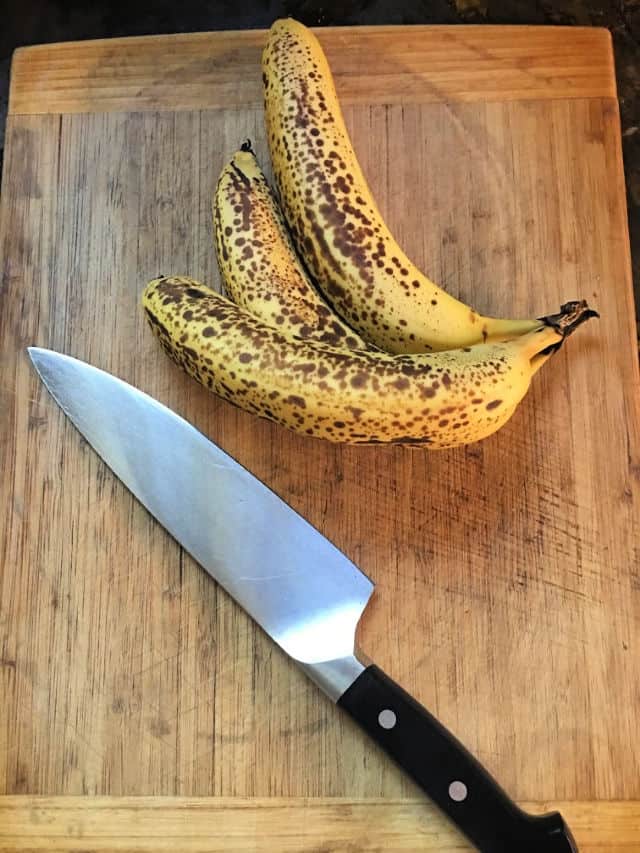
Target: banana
x,y
258,264
436,399
335,223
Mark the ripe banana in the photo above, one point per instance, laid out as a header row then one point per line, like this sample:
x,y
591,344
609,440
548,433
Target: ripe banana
x,y
437,399
335,222
258,264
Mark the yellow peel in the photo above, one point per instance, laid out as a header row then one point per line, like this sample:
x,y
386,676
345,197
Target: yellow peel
x,y
258,264
437,399
335,223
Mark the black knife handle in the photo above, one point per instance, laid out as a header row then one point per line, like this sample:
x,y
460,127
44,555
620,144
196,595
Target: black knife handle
x,y
448,773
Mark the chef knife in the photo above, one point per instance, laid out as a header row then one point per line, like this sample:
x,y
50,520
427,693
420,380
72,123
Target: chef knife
x,y
305,593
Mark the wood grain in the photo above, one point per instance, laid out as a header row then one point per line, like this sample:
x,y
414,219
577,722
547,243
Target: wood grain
x,y
508,572
372,65
222,825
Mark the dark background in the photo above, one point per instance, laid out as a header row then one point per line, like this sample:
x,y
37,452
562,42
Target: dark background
x,y
24,22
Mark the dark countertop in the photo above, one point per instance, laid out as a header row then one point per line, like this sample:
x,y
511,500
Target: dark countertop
x,y
27,22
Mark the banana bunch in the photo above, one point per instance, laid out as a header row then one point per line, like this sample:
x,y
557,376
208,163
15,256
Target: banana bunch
x,y
327,327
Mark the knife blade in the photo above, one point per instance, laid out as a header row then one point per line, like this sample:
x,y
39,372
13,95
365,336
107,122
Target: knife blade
x,y
303,592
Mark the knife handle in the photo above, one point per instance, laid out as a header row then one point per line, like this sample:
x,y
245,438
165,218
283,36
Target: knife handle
x,y
447,772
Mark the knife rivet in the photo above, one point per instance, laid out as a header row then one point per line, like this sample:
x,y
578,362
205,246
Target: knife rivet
x,y
387,718
458,791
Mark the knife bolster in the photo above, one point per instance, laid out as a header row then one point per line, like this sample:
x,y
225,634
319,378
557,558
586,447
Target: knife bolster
x,y
334,677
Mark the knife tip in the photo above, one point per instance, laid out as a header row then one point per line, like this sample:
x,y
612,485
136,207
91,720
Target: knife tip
x,y
34,353
43,360
39,354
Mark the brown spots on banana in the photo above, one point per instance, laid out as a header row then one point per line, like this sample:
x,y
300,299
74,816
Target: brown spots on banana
x,y
436,400
335,223
258,263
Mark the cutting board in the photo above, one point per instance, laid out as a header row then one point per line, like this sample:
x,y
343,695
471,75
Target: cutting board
x,y
507,572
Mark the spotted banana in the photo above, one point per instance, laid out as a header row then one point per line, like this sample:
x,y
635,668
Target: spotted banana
x,y
440,399
334,220
258,264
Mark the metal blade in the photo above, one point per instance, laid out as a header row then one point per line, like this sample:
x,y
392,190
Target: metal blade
x,y
298,586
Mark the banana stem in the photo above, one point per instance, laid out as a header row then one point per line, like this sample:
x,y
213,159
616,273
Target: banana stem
x,y
562,324
499,329
567,320
570,316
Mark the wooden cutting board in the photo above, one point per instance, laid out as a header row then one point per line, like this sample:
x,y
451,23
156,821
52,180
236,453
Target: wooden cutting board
x,y
508,572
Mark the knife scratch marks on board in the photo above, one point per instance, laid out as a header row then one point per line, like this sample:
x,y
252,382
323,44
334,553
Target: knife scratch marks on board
x,y
310,728
15,392
568,589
